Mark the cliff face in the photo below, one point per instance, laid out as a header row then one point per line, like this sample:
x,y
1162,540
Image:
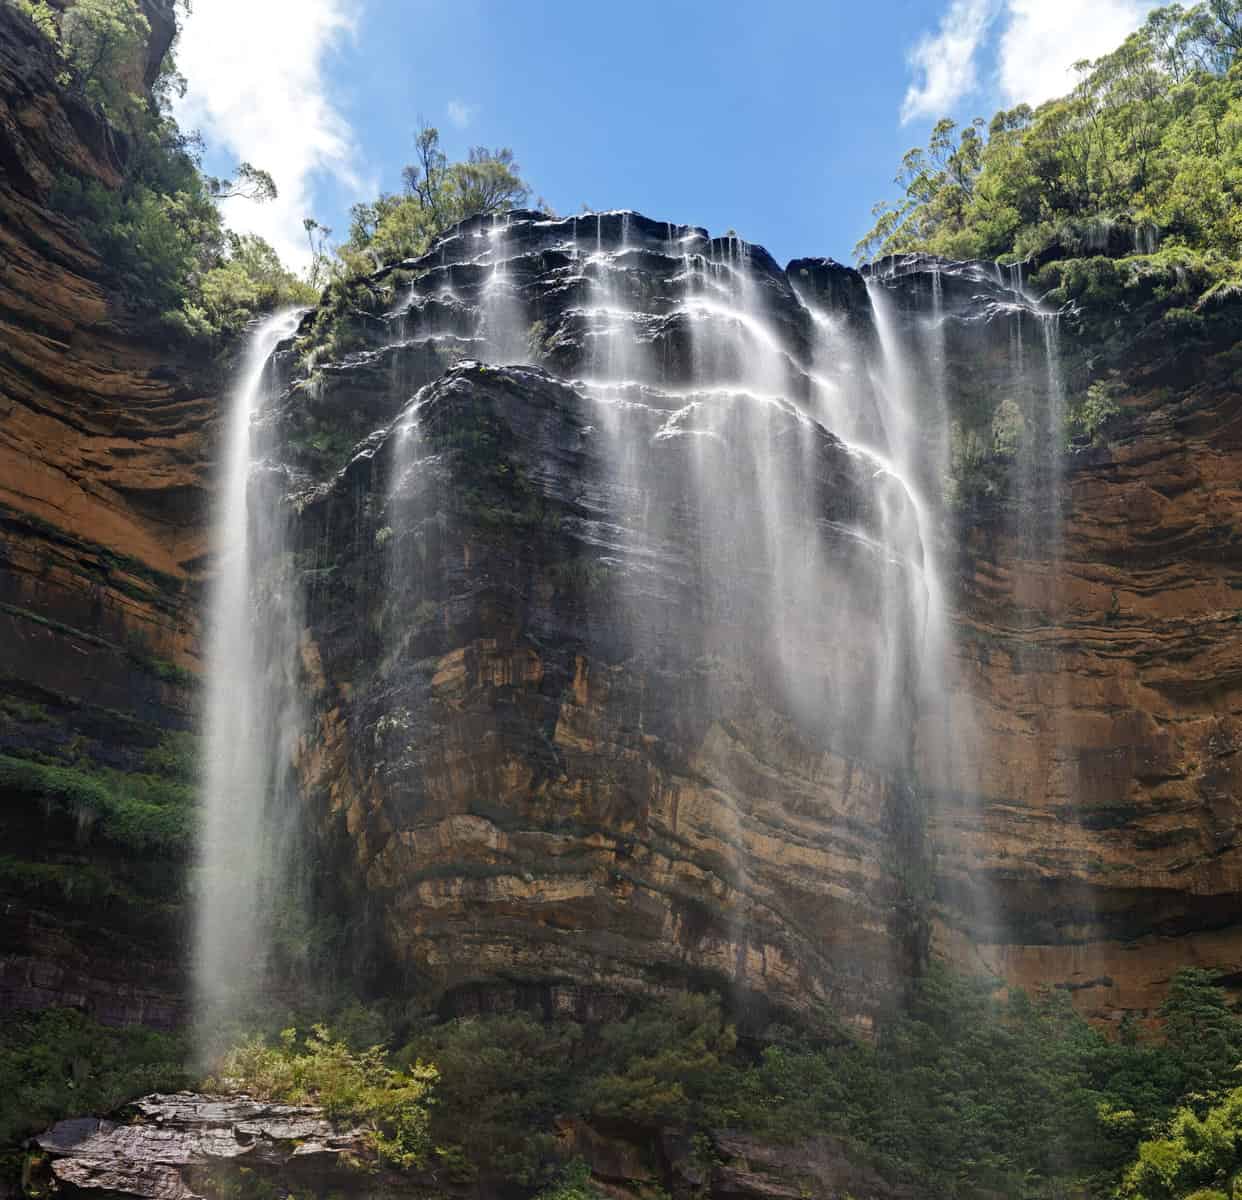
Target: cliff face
x,y
561,761
562,752
555,759
103,499
1105,845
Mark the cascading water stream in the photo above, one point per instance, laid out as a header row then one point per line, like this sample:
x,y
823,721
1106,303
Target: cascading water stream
x,y
790,553
250,717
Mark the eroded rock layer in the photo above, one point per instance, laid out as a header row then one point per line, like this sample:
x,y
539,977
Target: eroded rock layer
x,y
560,757
103,511
557,755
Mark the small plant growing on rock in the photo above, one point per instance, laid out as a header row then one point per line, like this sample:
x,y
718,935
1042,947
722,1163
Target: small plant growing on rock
x,y
1099,406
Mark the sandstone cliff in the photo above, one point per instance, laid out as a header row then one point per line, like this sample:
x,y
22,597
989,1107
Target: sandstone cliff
x,y
103,508
554,770
550,757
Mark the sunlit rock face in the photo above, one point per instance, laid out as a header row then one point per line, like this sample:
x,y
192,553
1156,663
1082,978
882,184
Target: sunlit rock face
x,y
627,634
1106,671
1089,838
666,625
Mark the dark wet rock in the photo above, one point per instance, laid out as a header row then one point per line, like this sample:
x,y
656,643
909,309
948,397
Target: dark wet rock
x,y
823,1167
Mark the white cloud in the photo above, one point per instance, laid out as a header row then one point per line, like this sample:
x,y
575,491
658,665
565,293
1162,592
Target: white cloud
x,y
257,90
1044,38
944,62
461,113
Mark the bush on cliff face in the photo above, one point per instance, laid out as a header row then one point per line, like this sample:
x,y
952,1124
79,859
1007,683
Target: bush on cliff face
x,y
142,812
1197,1157
161,231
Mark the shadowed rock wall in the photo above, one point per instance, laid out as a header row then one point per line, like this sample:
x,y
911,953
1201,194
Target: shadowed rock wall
x,y
103,510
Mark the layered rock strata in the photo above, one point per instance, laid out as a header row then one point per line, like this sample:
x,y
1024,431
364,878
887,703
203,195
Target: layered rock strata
x,y
103,511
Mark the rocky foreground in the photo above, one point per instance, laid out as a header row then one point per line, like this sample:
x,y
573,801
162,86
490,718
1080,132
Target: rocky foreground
x,y
191,1146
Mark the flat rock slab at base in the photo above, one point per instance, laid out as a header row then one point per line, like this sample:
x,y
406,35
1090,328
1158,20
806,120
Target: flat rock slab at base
x,y
174,1142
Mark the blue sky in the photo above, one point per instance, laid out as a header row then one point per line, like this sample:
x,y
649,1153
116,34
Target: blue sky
x,y
785,121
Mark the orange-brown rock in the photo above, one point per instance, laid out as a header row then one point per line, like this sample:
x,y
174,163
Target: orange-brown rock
x,y
1101,850
103,504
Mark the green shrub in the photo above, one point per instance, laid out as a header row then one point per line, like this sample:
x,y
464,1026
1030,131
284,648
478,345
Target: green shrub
x,y
1094,410
967,1090
670,1064
1138,163
43,16
58,1063
176,757
502,1080
574,1183
356,1087
1197,1158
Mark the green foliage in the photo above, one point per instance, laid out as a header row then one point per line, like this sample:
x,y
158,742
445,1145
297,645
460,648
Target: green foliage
x,y
966,1091
43,16
24,711
248,279
358,281
140,812
1203,1033
176,757
669,1065
1146,148
88,888
1096,408
161,231
163,236
357,1087
104,42
1197,1158
574,1183
502,1080
437,194
58,1063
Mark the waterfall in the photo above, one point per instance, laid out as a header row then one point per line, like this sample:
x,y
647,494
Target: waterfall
x,y
758,503
503,328
251,716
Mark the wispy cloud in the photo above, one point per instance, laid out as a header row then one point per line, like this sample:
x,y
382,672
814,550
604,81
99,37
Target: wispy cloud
x,y
1044,38
461,113
257,89
944,63
1033,44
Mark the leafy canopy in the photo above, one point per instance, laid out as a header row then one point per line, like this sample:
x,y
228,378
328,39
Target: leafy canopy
x,y
161,232
1147,144
437,195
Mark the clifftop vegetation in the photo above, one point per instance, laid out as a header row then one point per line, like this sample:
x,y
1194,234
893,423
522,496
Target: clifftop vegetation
x,y
161,232
437,194
1144,155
